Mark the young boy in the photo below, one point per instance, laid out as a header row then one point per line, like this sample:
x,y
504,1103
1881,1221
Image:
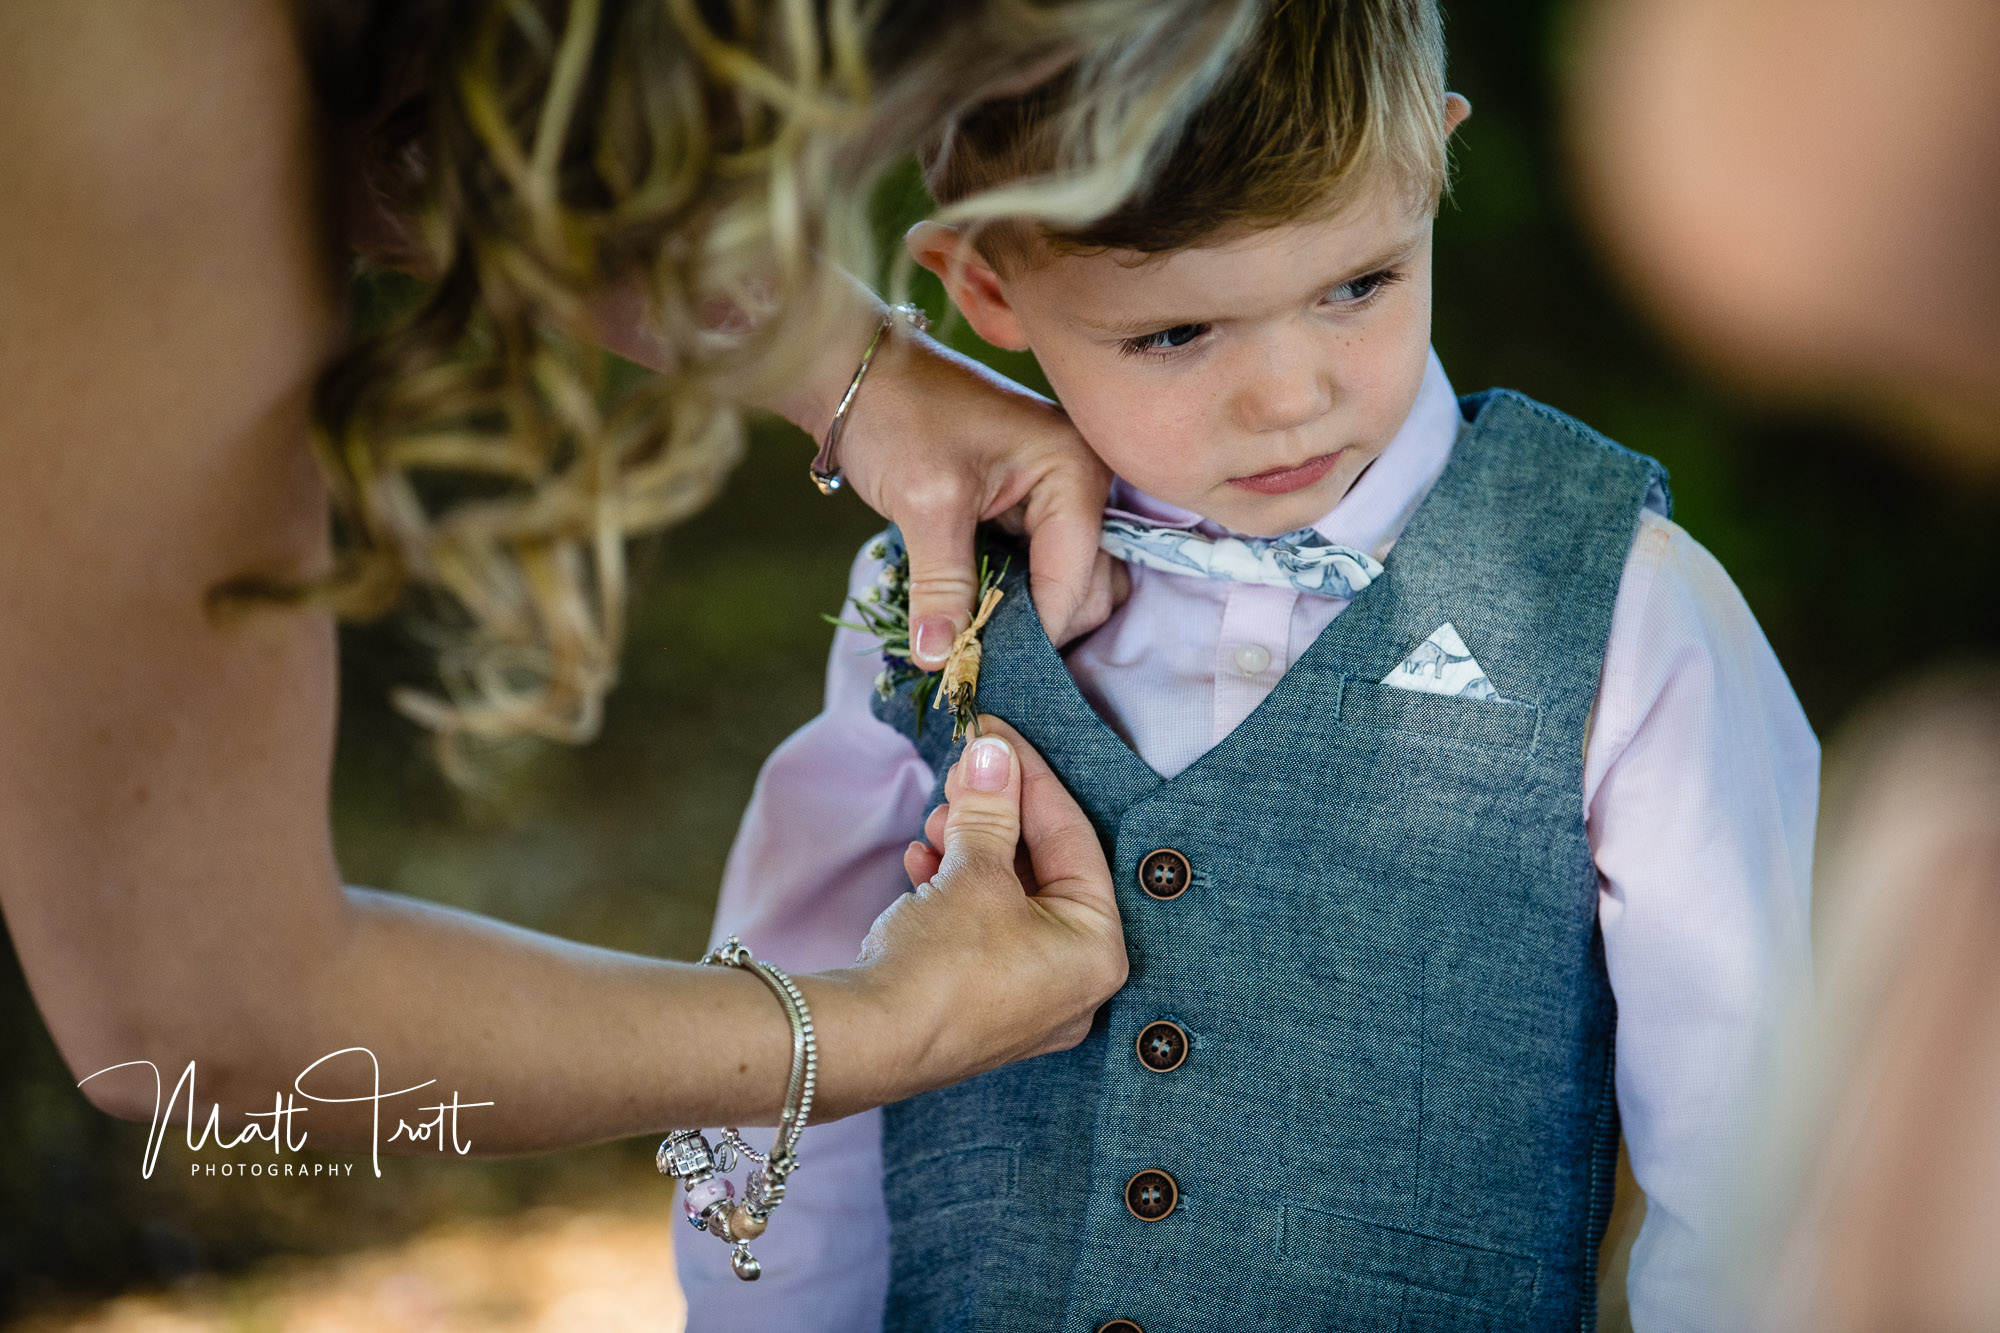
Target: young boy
x,y
1481,764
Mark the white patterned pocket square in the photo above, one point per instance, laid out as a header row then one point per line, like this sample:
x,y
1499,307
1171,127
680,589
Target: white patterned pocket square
x,y
1442,664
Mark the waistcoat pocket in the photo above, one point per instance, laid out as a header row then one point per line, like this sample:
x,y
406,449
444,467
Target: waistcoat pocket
x,y
953,1219
1472,1281
1492,724
954,1178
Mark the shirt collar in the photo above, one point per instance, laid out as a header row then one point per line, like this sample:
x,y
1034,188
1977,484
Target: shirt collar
x,y
1376,508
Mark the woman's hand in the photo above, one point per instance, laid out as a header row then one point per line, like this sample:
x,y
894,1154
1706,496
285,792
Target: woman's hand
x,y
937,443
991,958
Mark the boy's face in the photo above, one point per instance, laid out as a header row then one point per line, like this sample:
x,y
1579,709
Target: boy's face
x,y
1250,381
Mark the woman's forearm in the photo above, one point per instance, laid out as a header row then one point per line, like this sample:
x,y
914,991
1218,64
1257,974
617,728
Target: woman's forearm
x,y
807,399
413,1011
530,1042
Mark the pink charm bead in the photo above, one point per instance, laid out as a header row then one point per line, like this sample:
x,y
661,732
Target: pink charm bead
x,y
703,1193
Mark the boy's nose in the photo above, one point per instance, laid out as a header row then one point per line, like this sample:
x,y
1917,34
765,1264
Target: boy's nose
x,y
1284,395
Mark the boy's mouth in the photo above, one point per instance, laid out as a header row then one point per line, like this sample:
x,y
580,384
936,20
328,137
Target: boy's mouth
x,y
1285,480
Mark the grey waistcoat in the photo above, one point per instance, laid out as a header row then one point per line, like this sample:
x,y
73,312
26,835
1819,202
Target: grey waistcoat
x,y
1395,1111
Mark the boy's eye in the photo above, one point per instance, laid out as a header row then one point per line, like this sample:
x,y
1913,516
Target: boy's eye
x,y
1357,291
1166,340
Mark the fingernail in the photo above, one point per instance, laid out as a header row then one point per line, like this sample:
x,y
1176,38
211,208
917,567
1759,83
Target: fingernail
x,y
934,636
987,761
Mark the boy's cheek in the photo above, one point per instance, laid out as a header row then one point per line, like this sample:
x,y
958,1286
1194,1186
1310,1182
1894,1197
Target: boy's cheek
x,y
1146,458
1159,432
1150,441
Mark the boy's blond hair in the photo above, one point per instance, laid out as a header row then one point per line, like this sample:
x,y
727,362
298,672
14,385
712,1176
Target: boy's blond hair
x,y
1327,96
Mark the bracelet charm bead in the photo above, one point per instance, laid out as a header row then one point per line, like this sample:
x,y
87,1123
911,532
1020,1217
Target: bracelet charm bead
x,y
703,1169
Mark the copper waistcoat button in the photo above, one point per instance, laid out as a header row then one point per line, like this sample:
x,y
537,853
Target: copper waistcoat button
x,y
1151,1195
1165,874
1162,1046
1120,1326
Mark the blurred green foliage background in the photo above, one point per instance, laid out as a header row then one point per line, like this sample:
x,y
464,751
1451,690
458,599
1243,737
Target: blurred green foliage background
x,y
1859,565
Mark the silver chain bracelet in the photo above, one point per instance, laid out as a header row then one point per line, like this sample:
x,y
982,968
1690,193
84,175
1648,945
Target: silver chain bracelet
x,y
703,1170
825,469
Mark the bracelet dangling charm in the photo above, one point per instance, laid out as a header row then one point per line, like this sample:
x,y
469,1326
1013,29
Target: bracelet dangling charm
x,y
703,1170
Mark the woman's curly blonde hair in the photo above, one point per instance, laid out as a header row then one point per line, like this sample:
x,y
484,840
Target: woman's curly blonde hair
x,y
708,161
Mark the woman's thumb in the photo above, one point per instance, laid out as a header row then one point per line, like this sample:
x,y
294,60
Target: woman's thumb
x,y
984,789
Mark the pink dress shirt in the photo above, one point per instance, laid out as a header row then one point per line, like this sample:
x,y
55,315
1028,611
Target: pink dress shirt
x,y
1701,782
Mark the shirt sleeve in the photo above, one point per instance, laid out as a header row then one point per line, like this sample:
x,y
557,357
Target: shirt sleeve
x,y
1701,782
818,856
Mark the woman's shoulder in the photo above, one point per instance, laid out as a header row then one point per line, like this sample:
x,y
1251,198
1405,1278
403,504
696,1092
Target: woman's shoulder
x,y
161,211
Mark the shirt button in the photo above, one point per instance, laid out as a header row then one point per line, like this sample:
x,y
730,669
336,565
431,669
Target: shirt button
x,y
1119,1326
1252,658
1162,1046
1151,1195
1165,874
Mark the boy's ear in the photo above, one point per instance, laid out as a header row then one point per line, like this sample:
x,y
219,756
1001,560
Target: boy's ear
x,y
1456,109
973,285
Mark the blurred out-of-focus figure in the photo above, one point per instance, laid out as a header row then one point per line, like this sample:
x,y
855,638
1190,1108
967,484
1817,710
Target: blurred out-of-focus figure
x,y
1896,1108
1808,193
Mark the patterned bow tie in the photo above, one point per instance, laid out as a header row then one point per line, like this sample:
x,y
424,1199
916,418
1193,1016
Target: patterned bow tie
x,y
1301,560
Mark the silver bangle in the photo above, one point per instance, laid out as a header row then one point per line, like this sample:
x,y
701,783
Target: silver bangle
x,y
825,470
703,1170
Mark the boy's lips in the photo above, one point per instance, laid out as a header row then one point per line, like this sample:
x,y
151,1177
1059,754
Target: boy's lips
x,y
1285,480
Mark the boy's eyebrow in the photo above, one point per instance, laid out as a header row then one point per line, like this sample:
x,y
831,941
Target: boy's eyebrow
x,y
1388,257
